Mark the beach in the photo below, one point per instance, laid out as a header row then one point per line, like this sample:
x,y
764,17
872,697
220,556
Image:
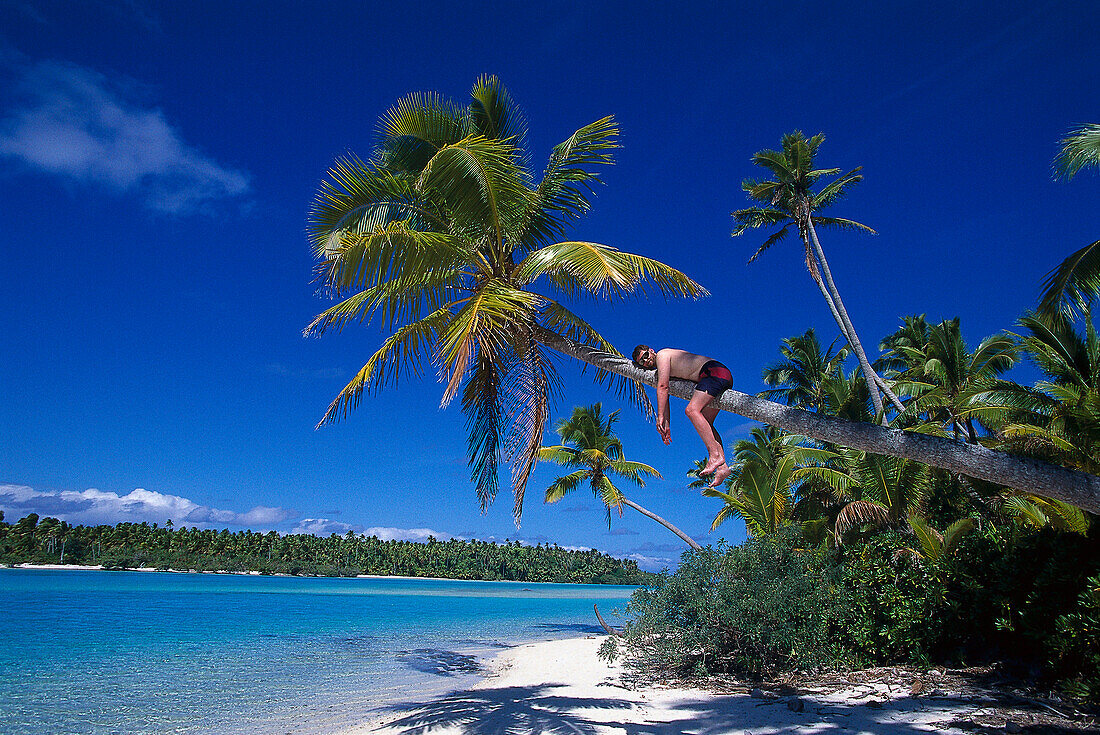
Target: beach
x,y
562,687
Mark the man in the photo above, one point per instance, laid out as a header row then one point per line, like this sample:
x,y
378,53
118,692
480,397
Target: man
x,y
711,378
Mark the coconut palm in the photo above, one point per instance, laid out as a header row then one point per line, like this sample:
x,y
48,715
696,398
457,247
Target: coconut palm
x,y
1059,418
763,490
447,240
801,375
421,235
789,201
589,447
941,372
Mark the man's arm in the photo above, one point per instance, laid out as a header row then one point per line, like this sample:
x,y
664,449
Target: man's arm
x,y
664,369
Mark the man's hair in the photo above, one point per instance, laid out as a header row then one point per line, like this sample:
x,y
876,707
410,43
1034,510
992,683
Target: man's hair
x,y
638,351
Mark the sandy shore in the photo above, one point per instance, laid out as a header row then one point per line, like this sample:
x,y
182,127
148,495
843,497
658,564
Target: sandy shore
x,y
562,687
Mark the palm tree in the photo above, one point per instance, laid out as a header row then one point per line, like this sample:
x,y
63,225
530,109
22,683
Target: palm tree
x,y
874,489
446,238
1058,419
589,444
762,490
801,375
940,372
1076,281
398,240
790,201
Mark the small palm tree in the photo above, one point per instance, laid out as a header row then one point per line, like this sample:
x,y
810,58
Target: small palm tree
x,y
932,364
762,489
445,238
789,201
801,375
590,446
1058,419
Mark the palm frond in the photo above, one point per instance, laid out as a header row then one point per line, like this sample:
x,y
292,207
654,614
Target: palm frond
x,y
562,195
484,424
1080,148
1069,287
406,349
417,127
495,115
859,513
931,542
564,485
605,271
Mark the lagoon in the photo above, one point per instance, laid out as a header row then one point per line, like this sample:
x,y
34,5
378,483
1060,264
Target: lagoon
x,y
140,652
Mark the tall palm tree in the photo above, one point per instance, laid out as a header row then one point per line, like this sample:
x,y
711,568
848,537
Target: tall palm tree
x,y
801,375
445,238
789,200
590,446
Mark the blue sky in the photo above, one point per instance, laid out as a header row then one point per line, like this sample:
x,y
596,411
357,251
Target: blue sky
x,y
157,161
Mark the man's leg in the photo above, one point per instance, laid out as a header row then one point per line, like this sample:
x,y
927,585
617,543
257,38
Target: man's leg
x,y
702,418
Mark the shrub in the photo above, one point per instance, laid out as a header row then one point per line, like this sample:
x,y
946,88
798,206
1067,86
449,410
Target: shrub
x,y
754,609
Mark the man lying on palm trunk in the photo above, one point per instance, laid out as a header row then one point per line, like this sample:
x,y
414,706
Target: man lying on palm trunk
x,y
711,378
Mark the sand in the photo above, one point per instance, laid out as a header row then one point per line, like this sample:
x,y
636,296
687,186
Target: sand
x,y
562,687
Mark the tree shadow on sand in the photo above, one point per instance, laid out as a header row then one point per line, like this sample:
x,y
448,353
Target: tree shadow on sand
x,y
539,709
506,711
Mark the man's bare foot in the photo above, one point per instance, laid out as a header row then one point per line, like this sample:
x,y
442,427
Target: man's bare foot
x,y
720,475
711,466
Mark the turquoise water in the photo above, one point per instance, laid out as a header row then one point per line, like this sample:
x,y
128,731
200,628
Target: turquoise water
x,y
141,652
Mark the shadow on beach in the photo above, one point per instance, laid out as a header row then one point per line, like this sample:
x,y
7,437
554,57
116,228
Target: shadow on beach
x,y
544,708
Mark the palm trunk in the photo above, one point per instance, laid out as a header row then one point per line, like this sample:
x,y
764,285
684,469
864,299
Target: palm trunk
x,y
874,382
687,539
1020,473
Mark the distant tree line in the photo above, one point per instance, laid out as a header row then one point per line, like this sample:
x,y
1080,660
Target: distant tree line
x,y
141,545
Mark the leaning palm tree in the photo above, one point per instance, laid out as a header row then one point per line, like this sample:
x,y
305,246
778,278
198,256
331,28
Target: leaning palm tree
x,y
445,238
789,201
589,447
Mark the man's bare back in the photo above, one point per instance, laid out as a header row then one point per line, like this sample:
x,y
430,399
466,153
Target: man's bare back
x,y
682,364
711,378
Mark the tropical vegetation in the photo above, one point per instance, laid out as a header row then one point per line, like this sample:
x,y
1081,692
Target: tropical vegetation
x,y
35,540
919,506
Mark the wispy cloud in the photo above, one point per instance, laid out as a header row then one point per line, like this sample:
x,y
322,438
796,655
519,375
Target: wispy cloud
x,y
93,506
80,125
327,526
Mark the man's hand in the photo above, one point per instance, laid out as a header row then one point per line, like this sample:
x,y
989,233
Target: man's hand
x,y
664,430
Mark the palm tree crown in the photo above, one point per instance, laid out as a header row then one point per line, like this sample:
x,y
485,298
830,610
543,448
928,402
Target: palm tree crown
x,y
590,448
442,237
789,201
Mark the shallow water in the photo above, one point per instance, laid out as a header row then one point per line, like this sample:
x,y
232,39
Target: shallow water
x,y
143,652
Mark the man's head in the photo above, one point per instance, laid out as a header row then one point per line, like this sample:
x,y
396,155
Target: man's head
x,y
644,357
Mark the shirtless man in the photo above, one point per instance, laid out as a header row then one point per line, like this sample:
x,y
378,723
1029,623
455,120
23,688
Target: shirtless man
x,y
711,378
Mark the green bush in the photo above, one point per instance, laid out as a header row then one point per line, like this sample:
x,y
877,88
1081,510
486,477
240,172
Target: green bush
x,y
753,610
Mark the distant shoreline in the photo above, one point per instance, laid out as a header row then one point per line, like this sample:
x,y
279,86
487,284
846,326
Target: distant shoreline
x,y
254,573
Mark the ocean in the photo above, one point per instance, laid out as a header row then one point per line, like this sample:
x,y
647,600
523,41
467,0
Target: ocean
x,y
131,653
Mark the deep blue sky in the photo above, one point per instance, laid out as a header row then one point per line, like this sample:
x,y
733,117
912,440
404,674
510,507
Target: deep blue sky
x,y
157,161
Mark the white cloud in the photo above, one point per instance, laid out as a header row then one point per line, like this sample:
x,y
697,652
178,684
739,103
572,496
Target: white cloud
x,y
407,534
327,526
78,124
91,507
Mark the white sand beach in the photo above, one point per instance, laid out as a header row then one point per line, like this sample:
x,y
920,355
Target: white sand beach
x,y
562,687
